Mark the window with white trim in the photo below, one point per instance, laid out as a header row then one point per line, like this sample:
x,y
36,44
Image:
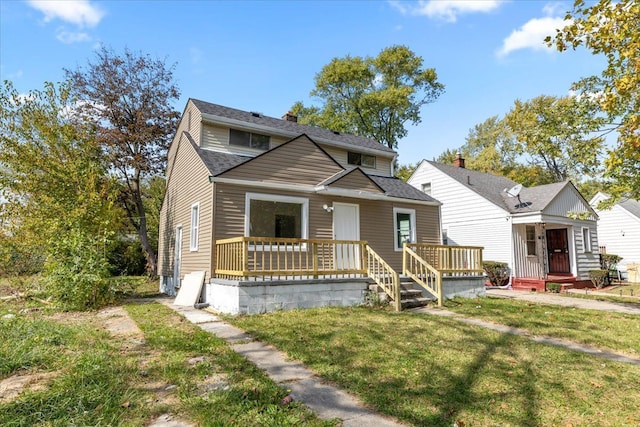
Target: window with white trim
x,y
361,159
531,240
195,225
269,215
249,139
404,223
586,238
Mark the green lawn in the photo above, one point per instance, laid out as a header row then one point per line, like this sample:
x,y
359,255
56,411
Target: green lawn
x,y
429,370
98,379
604,330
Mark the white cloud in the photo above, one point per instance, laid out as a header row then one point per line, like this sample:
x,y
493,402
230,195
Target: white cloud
x,y
531,35
447,10
68,37
79,12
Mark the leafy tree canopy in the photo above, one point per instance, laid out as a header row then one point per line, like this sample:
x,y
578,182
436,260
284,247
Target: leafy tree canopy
x,y
373,97
612,29
56,192
128,98
557,133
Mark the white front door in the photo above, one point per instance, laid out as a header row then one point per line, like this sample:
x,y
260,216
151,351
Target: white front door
x,y
177,257
346,226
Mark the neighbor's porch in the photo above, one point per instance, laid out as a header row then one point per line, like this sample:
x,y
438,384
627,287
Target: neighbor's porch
x,y
296,261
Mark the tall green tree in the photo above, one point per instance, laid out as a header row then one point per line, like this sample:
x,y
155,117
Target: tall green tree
x,y
558,134
128,98
56,192
373,97
612,29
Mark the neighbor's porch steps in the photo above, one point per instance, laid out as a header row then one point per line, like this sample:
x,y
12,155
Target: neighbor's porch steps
x,y
410,294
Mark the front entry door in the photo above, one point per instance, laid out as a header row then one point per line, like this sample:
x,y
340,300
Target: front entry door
x,y
558,249
346,226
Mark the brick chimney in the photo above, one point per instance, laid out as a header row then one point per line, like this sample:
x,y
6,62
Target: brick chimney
x,y
459,161
290,117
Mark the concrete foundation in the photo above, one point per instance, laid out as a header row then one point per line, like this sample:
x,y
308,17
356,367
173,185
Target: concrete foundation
x,y
244,297
465,287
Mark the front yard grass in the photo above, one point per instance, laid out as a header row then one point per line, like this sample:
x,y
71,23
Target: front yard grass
x,y
601,329
84,376
430,370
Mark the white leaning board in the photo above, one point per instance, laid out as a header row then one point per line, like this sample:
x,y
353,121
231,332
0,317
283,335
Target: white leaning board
x,y
189,292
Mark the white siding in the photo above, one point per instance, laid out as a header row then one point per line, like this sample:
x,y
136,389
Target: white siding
x,y
585,261
468,218
619,233
527,265
568,202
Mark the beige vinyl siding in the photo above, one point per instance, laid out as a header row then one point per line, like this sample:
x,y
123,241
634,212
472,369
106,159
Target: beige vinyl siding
x,y
356,181
217,137
376,218
383,164
298,162
187,184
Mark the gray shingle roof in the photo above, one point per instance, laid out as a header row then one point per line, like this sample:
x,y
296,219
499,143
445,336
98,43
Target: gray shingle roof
x,y
217,162
486,185
533,199
633,206
492,187
395,187
288,127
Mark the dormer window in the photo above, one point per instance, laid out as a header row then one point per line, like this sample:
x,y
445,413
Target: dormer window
x,y
249,139
361,159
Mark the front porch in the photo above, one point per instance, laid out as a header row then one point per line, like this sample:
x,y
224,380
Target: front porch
x,y
265,274
539,284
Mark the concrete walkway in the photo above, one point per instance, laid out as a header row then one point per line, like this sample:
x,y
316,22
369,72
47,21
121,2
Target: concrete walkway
x,y
553,299
327,401
330,402
550,298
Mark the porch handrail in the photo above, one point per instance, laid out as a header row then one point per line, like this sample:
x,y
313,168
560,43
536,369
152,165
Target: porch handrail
x,y
424,274
384,276
451,260
282,258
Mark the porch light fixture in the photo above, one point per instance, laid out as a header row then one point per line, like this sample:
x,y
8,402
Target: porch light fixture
x,y
327,208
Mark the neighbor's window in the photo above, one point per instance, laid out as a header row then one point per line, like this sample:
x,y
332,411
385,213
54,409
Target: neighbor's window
x,y
426,188
195,223
361,159
531,240
249,139
276,216
586,238
404,221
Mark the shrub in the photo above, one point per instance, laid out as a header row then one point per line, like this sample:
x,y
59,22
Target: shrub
x,y
598,277
554,287
497,272
609,261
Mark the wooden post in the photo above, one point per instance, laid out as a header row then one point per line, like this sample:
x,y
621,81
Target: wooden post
x,y
396,284
404,259
439,285
314,255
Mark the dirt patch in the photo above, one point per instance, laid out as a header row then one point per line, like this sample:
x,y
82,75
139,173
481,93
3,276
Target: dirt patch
x,y
118,323
10,388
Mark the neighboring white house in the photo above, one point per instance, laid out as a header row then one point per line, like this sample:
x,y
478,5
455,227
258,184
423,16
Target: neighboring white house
x,y
544,233
619,229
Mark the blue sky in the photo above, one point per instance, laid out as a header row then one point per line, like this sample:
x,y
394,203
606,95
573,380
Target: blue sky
x,y
263,55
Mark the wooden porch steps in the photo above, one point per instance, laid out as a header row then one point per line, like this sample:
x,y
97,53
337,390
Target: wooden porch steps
x,y
410,295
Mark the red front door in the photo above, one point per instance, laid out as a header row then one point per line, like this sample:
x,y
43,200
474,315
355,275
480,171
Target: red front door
x,y
558,249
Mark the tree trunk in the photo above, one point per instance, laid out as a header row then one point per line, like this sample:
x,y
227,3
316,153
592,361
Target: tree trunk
x,y
149,252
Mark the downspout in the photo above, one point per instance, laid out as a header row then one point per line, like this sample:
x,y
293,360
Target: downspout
x,y
512,261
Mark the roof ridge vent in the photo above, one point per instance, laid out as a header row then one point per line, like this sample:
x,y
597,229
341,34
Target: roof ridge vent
x,y
336,132
254,114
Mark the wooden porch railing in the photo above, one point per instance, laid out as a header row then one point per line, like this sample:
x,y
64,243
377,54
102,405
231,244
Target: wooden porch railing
x,y
424,274
384,276
281,259
450,260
